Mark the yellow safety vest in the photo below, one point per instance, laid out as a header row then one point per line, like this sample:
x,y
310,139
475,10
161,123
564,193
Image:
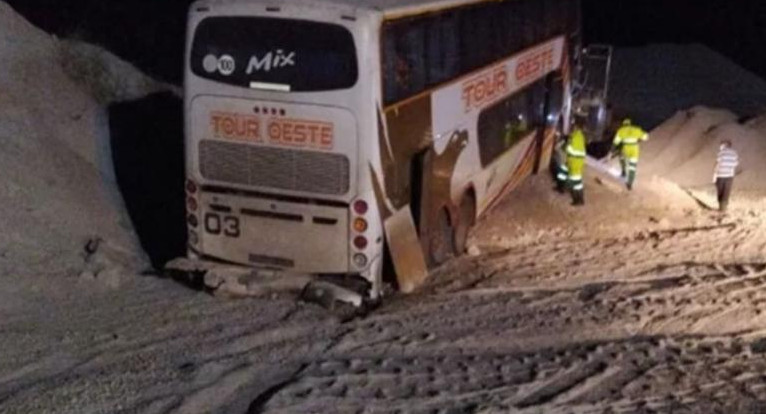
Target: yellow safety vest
x,y
576,144
576,153
629,136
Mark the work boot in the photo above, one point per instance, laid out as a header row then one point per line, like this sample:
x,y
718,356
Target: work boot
x,y
631,179
561,187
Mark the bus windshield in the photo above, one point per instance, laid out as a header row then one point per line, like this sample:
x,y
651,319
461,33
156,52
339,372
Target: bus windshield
x,y
281,54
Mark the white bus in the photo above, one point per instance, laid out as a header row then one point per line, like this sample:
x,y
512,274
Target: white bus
x,y
321,133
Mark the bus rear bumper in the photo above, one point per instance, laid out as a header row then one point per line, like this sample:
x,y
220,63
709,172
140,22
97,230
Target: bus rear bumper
x,y
231,280
235,280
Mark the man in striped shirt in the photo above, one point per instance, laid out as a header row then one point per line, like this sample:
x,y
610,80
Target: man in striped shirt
x,y
725,170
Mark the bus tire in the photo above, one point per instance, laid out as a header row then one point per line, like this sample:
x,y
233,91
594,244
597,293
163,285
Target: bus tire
x,y
441,246
466,220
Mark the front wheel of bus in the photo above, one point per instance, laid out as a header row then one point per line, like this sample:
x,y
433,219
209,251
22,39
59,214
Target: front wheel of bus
x,y
441,245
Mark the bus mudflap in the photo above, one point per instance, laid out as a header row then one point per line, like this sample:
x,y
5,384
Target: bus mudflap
x,y
406,250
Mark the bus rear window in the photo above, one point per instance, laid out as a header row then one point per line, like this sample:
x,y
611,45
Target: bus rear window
x,y
281,54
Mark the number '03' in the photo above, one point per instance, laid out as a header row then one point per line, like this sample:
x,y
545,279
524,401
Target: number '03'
x,y
216,225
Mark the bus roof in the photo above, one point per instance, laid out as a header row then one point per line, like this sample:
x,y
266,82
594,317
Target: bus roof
x,y
391,9
400,8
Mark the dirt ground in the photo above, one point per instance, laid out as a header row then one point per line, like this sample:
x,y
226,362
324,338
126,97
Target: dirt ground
x,y
645,309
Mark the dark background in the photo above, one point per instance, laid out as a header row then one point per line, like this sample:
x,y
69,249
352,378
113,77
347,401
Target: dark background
x,y
150,33
735,28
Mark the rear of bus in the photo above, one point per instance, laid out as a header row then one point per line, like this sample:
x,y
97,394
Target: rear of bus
x,y
280,122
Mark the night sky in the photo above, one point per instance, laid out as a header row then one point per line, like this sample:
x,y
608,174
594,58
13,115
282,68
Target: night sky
x,y
150,32
735,28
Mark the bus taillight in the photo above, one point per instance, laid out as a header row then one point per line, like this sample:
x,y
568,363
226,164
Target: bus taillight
x,y
191,187
360,225
193,237
191,204
360,207
360,242
360,260
191,190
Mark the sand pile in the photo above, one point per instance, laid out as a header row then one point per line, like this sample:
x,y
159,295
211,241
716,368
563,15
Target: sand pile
x,y
684,148
60,211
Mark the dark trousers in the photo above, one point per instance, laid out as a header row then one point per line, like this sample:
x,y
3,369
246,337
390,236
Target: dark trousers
x,y
723,185
629,169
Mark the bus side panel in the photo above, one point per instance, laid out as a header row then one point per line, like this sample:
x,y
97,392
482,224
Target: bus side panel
x,y
404,135
410,136
442,127
546,153
408,130
523,169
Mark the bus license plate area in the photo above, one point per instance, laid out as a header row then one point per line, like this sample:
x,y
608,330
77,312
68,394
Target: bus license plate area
x,y
275,234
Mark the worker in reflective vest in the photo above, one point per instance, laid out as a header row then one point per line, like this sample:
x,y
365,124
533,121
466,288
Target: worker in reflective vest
x,y
562,171
576,164
626,141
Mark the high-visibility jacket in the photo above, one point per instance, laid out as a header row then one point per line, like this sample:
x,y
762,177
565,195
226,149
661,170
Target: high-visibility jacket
x,y
559,154
628,137
576,153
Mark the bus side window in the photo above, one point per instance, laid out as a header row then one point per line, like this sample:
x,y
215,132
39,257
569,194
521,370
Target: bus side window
x,y
503,125
536,102
497,31
390,82
410,51
562,15
533,21
518,122
425,51
550,17
404,46
513,22
442,47
556,95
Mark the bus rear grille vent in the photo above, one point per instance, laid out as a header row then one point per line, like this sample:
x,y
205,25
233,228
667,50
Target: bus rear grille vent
x,y
284,169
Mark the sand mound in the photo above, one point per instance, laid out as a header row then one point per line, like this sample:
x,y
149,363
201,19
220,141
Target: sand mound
x,y
60,211
683,149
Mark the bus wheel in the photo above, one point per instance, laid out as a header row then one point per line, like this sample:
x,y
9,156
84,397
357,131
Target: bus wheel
x,y
441,239
466,220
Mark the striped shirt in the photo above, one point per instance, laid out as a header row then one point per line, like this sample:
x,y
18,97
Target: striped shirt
x,y
728,160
